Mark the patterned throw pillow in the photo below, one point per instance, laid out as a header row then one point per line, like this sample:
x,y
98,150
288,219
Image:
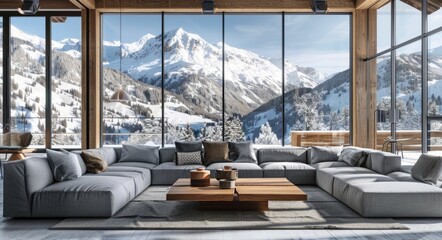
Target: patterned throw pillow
x,y
95,163
188,158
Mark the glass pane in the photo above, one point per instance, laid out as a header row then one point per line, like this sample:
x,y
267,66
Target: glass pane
x,y
131,65
383,98
28,98
435,75
408,20
383,27
66,82
317,79
193,77
435,136
434,13
408,101
253,87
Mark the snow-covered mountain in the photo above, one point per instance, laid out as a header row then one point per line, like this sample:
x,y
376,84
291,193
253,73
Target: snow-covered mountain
x,y
193,68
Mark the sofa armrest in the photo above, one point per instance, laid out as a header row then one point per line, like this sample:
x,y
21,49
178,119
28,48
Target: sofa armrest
x,y
22,179
384,162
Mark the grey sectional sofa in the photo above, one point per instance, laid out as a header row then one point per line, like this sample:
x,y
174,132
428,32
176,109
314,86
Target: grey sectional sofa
x,y
379,190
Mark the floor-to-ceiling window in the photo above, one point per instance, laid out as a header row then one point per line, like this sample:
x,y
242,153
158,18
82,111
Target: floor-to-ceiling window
x,y
193,83
131,79
66,81
220,77
1,78
45,82
28,77
253,78
402,108
317,77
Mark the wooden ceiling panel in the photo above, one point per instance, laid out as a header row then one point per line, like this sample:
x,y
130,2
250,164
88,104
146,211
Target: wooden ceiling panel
x,y
44,4
220,5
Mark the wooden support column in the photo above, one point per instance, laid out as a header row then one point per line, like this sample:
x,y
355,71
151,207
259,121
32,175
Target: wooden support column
x,y
360,96
91,102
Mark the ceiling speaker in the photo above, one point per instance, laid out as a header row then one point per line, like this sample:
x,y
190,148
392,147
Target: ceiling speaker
x,y
29,7
319,6
208,7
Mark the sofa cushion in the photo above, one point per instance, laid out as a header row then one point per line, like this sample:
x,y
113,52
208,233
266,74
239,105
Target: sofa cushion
x,y
88,196
189,146
342,181
167,154
167,173
242,152
140,176
215,152
189,158
245,170
383,162
325,176
394,199
109,155
140,153
64,165
353,157
324,154
80,161
94,161
427,169
135,164
282,154
330,164
296,172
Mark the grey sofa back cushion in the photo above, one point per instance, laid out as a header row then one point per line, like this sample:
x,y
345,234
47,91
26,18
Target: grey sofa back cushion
x,y
189,146
167,154
109,155
64,165
324,154
140,153
353,157
282,154
383,162
427,169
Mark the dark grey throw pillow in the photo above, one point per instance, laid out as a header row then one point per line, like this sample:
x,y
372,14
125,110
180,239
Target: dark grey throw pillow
x,y
354,157
64,165
427,169
324,154
189,158
80,160
189,146
140,153
242,152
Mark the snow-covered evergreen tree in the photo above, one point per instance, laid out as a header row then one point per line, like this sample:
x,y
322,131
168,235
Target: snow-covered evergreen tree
x,y
267,136
307,107
234,130
211,133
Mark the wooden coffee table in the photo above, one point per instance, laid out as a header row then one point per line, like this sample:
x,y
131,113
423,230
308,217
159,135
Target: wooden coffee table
x,y
249,194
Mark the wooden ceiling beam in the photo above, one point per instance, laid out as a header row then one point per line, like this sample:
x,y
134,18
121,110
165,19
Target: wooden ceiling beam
x,y
365,4
84,4
220,5
44,5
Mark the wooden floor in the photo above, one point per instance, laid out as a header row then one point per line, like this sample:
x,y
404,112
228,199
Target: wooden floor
x,y
29,229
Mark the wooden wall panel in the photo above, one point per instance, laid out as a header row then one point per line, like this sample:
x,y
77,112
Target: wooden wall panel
x,y
44,4
220,5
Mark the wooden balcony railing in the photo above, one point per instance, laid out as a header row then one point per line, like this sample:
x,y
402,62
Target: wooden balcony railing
x,y
411,140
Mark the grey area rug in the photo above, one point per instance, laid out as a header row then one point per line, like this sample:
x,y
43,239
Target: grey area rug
x,y
150,211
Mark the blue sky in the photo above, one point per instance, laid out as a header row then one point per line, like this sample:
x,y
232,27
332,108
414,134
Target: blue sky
x,y
71,28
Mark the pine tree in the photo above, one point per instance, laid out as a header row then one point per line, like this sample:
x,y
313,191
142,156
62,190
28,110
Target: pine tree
x,y
234,130
267,136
